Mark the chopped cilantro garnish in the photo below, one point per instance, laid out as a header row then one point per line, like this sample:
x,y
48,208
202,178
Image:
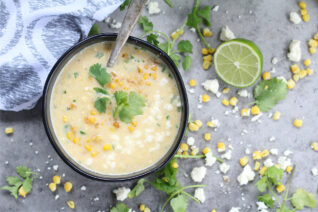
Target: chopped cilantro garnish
x,y
100,90
124,4
76,74
82,132
145,23
100,104
100,74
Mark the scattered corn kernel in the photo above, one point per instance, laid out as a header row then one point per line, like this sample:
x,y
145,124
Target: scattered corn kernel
x,y
257,165
221,147
309,71
303,12
243,161
68,186
233,101
71,204
175,165
8,130
306,18
184,147
262,171
225,102
65,119
265,153
296,77
207,136
130,128
313,43
56,179
91,120
207,58
93,154
112,85
70,135
280,188
154,68
302,5
314,146
193,127
266,75
207,33
22,192
312,50
291,84
142,207
307,62
226,90
194,151
255,110
147,209
206,150
134,123
107,147
204,51
174,35
192,82
88,147
52,187
76,140
145,76
294,69
298,123
276,115
205,98
257,155
245,112
206,64
198,123
289,169
210,124
211,50
213,210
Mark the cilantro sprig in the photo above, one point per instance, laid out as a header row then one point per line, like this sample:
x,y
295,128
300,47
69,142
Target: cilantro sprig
x,y
120,207
16,185
272,178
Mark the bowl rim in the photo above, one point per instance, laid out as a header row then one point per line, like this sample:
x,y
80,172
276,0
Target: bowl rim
x,y
135,41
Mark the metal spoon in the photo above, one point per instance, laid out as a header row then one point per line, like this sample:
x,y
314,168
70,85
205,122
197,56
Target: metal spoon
x,y
130,20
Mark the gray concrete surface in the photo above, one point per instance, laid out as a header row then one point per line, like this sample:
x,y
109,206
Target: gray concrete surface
x,y
263,21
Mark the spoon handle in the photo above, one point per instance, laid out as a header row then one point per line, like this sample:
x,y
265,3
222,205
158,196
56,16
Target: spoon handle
x,y
130,20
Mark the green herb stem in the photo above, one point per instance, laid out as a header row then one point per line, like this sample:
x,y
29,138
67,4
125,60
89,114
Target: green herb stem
x,y
273,194
202,38
197,156
288,187
189,195
157,32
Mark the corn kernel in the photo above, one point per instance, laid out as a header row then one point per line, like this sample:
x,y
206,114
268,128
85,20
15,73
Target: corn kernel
x,y
313,43
184,147
291,84
130,128
207,33
266,75
314,146
194,151
206,64
198,123
211,50
276,115
221,147
207,58
88,147
56,179
294,69
312,50
309,71
192,82
257,165
233,101
207,136
296,77
265,153
71,204
204,51
142,207
22,192
306,18
139,70
154,68
225,102
154,76
91,120
289,169
174,35
243,161
65,119
76,140
280,188
70,135
93,154
148,83
307,62
316,37
213,210
303,12
8,130
205,98
262,171
52,187
245,112
257,155
298,123
210,124
145,76
107,147
68,186
134,123
206,150
226,90
193,127
255,110
302,5
112,85
147,209
175,165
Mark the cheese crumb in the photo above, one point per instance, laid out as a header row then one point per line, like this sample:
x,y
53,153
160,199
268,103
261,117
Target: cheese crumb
x,y
246,175
190,141
226,34
235,209
198,173
199,194
294,18
121,193
209,159
314,171
153,8
274,60
211,85
244,93
224,168
294,51
261,207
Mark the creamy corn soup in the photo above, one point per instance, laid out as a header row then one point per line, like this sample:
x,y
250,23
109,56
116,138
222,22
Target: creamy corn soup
x,y
115,120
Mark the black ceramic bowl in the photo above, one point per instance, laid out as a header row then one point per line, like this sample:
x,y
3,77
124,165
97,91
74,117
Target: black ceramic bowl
x,y
47,98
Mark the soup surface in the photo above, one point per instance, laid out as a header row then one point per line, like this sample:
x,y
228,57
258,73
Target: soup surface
x,y
115,120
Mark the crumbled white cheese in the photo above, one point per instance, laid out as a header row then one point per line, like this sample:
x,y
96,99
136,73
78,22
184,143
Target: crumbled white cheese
x,y
283,161
261,207
294,51
83,188
55,167
268,162
282,78
246,175
272,139
191,90
190,141
244,93
257,117
314,171
224,168
198,173
199,194
294,18
215,122
274,60
115,24
274,151
209,159
247,151
107,20
226,34
121,193
287,152
216,8
235,209
192,29
211,85
153,8
227,155
57,197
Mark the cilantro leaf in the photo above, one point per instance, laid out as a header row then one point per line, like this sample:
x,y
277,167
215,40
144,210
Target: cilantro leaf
x,y
205,13
285,209
23,171
27,184
100,90
100,104
120,207
82,132
193,20
145,24
274,174
262,184
175,58
301,198
168,2
267,199
268,92
139,187
153,39
179,203
165,47
94,30
100,74
13,180
12,189
187,62
124,4
185,46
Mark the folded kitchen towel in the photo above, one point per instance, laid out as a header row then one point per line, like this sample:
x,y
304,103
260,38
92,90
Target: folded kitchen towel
x,y
33,35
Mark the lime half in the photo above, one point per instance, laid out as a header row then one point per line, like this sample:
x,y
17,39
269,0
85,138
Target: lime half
x,y
238,62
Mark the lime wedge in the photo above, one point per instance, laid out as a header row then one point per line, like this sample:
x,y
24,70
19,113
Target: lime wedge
x,y
238,62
